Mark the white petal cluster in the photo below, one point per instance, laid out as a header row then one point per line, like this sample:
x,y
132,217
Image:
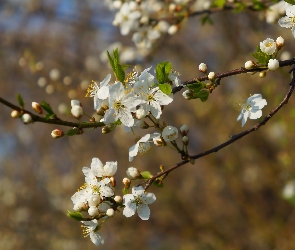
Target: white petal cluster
x,y
268,46
169,133
288,21
138,201
135,99
145,18
273,64
252,108
91,229
77,110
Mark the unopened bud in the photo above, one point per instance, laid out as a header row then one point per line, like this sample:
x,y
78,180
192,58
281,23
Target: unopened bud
x,y
112,181
15,114
105,130
81,206
250,64
158,141
126,182
37,107
110,212
140,114
75,102
262,74
211,76
203,67
188,94
57,133
143,125
26,118
133,173
280,42
93,211
118,199
101,111
172,29
185,140
184,130
77,111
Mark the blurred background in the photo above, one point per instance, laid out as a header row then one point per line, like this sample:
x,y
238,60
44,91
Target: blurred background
x,y
232,199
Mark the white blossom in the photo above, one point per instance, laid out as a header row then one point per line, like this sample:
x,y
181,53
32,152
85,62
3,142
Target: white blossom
x,y
91,228
268,46
138,201
133,173
121,105
252,108
288,21
100,170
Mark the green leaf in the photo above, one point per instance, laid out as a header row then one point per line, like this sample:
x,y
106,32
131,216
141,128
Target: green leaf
x,y
239,7
47,107
146,175
73,131
261,57
162,71
116,66
196,87
158,183
165,88
206,19
202,94
50,116
75,215
219,3
20,100
290,1
258,5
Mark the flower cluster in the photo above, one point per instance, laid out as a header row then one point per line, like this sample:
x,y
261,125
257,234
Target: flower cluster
x,y
149,19
96,198
130,101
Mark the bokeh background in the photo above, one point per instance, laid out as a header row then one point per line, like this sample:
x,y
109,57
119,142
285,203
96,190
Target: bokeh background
x,y
232,199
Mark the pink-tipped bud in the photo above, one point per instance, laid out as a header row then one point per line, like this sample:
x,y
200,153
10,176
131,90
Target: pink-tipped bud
x,y
57,133
15,114
37,107
203,67
112,181
126,182
250,64
26,118
280,42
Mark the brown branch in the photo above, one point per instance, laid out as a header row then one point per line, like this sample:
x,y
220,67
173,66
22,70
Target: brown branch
x,y
233,138
56,121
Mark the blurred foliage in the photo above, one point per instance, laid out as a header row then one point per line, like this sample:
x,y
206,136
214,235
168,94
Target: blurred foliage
x,y
51,50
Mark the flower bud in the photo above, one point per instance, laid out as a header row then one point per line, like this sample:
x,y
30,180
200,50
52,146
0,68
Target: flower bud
x,y
126,182
169,133
250,64
203,67
77,111
105,130
26,118
140,114
185,140
184,130
262,74
112,181
118,199
15,114
172,29
81,206
37,107
273,64
57,133
188,94
133,173
94,200
280,42
75,102
211,76
110,212
93,211
158,141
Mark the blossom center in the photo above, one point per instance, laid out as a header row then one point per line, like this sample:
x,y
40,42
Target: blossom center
x,y
144,147
118,105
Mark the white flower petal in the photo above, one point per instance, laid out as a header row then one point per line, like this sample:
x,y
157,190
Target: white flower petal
x,y
143,211
130,209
